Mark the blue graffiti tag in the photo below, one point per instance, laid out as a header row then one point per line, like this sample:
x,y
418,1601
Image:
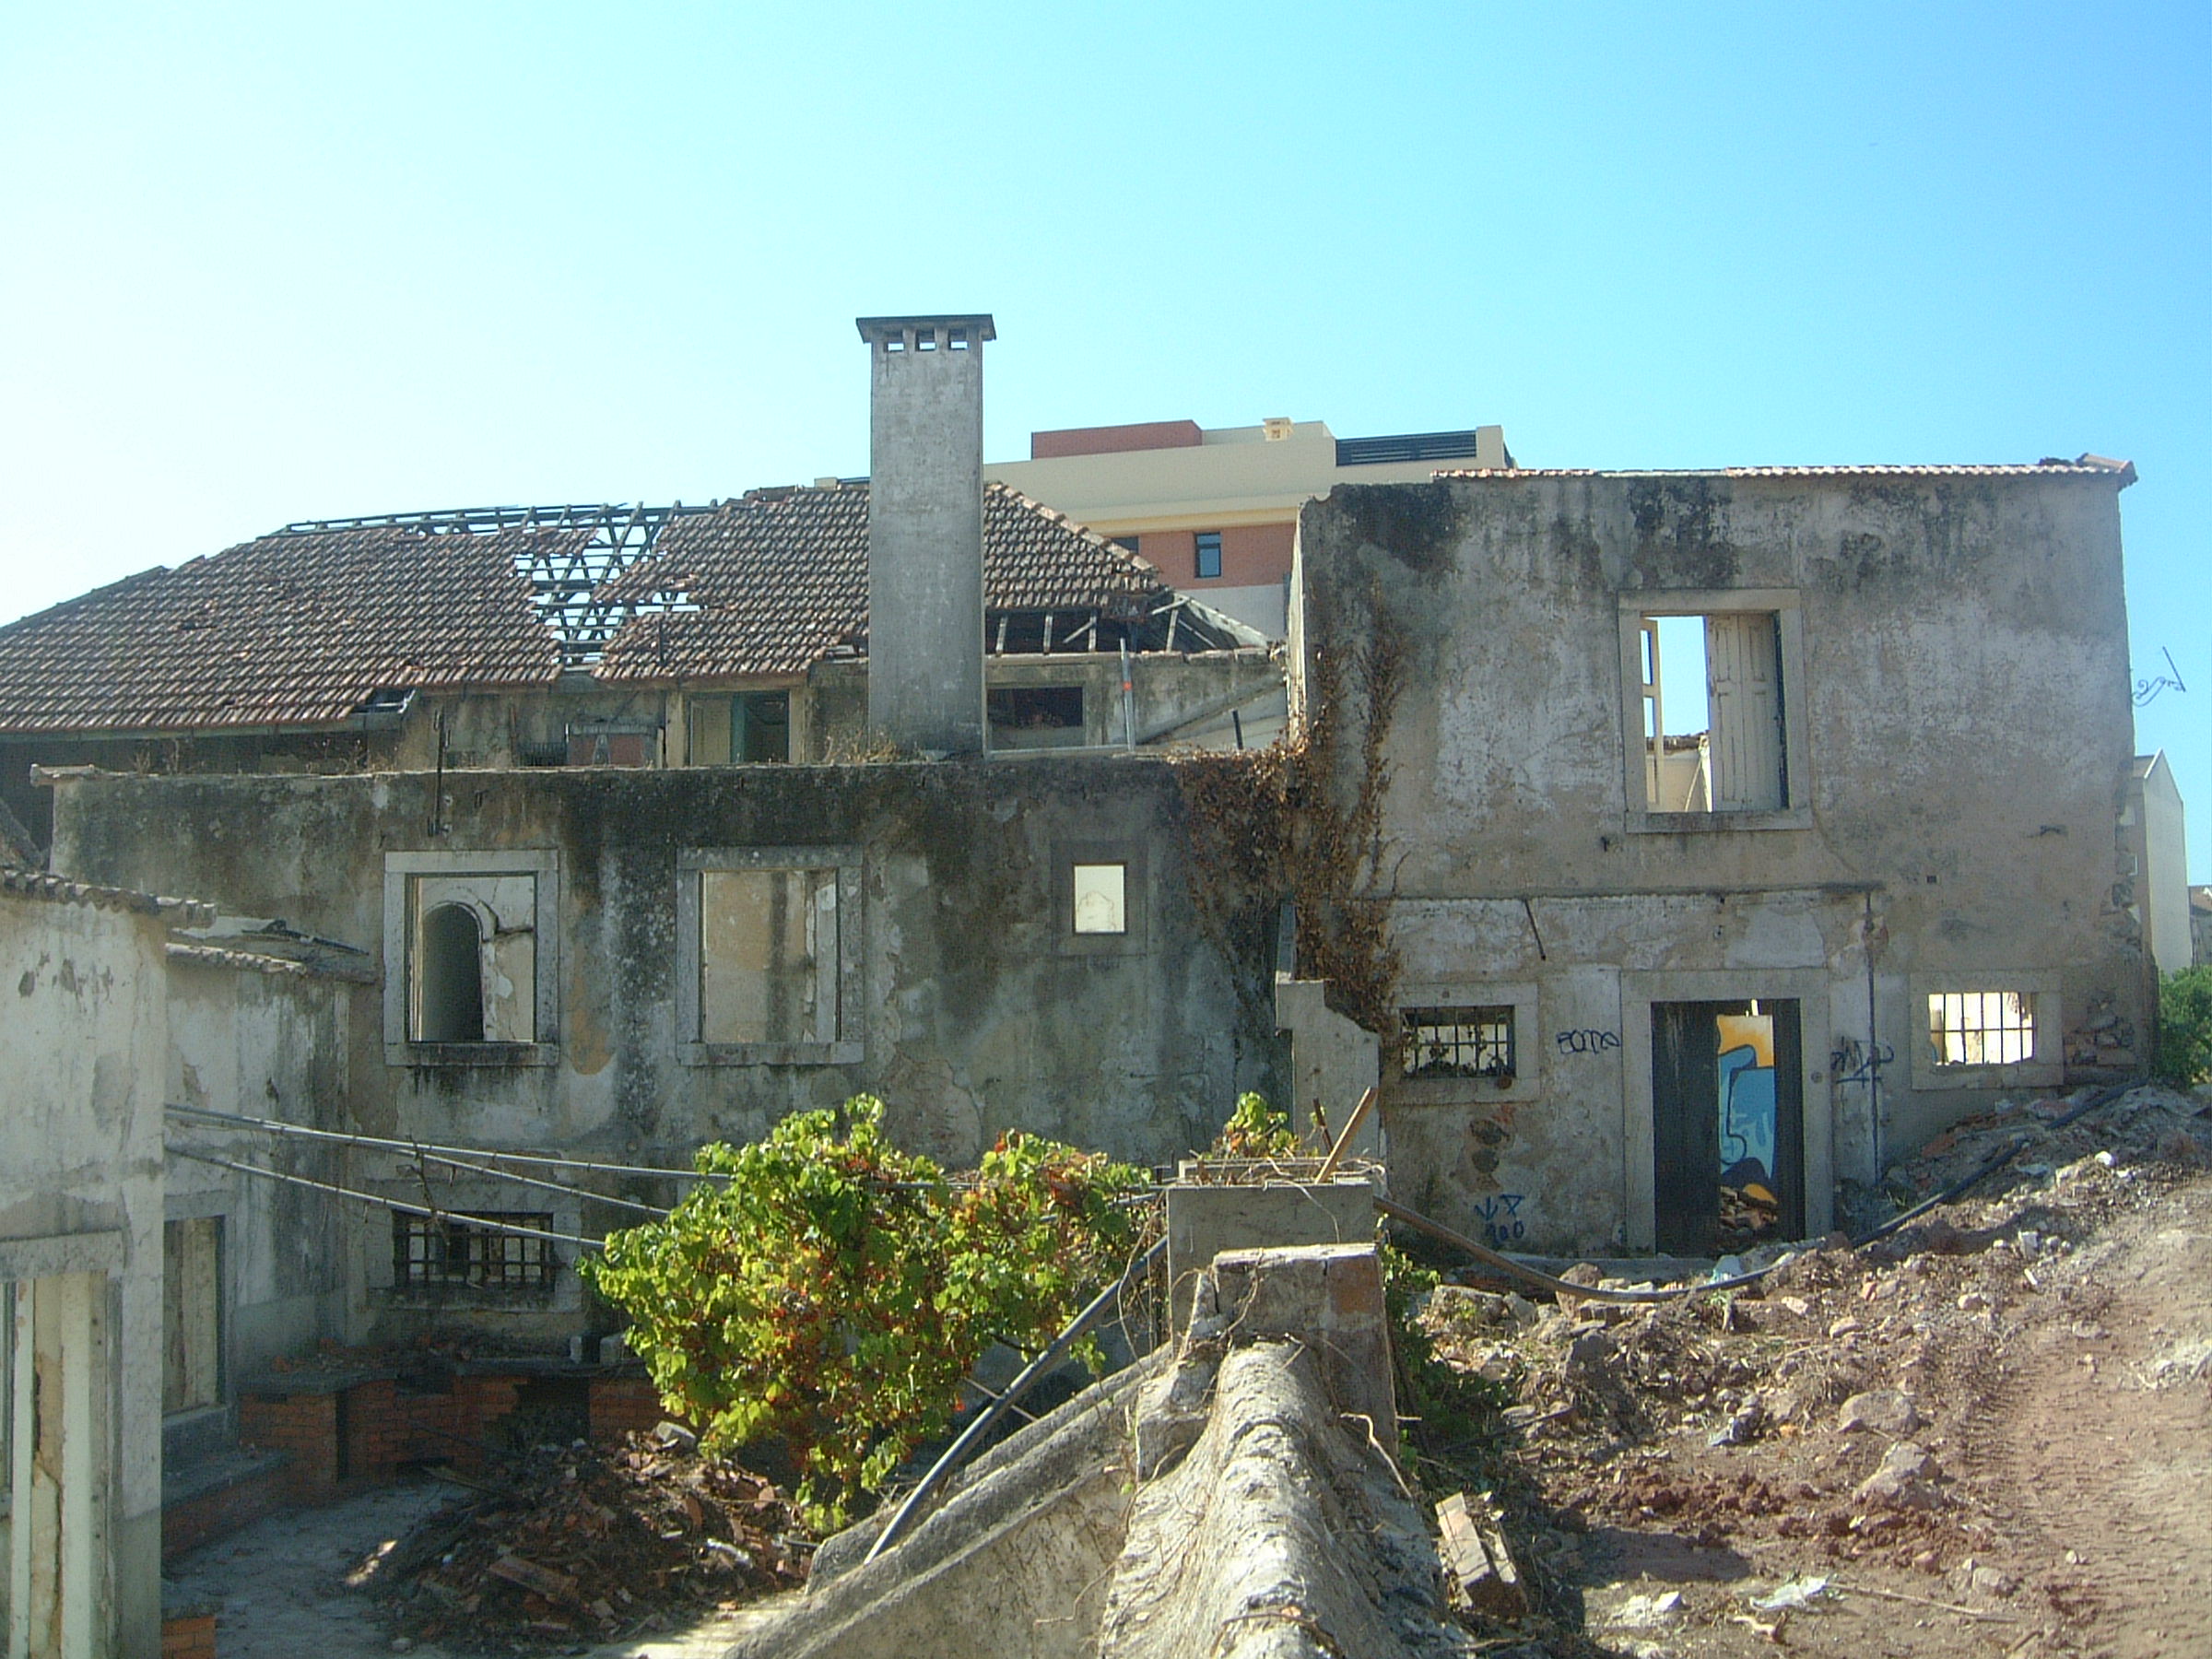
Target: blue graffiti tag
x,y
1500,1219
1854,1062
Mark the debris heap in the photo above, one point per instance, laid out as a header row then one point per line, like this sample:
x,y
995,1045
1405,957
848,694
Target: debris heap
x,y
560,1545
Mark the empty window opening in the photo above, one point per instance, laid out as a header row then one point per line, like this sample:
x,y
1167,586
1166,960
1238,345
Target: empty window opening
x,y
925,339
768,956
894,343
750,728
1208,561
192,1309
1982,1027
1457,1042
957,339
1035,716
435,1250
471,958
450,984
1711,696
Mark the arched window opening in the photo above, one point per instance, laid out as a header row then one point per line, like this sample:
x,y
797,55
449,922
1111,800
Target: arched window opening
x,y
450,994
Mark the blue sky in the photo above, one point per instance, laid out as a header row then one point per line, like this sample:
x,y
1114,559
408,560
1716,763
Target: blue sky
x,y
260,263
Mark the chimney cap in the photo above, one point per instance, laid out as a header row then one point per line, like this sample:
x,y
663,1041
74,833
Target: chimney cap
x,y
877,328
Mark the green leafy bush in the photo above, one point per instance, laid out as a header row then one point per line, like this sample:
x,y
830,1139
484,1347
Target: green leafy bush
x,y
831,1290
2185,1027
1256,1130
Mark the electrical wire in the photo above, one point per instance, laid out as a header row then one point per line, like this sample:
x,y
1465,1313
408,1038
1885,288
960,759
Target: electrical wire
x,y
398,1205
300,1131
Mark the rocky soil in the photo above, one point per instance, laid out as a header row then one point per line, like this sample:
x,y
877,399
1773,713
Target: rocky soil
x,y
1989,1435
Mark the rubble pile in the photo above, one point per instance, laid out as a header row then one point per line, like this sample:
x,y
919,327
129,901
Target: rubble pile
x,y
1829,1417
562,1545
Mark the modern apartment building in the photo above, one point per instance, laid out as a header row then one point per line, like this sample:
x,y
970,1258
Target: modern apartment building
x,y
1215,509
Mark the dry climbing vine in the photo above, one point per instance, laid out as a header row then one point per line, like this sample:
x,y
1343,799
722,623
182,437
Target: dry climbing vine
x,y
1273,824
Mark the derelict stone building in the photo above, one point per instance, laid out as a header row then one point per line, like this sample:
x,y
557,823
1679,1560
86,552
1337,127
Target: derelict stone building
x,y
1667,974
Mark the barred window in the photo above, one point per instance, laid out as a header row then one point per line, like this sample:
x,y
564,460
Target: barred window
x,y
1982,1027
470,1249
1457,1042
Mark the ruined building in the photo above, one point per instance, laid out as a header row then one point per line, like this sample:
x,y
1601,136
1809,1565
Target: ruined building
x,y
1664,972
1670,849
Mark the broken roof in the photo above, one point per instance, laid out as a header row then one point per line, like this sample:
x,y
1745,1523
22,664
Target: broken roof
x,y
779,579
308,625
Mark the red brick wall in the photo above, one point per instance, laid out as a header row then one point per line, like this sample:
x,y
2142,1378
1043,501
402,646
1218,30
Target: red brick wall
x,y
304,1425
1115,439
621,1405
1251,555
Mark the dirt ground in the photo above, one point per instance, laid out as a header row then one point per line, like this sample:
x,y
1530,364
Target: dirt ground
x,y
281,1586
1990,1435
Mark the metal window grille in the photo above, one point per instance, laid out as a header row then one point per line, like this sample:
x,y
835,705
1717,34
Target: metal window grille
x,y
1457,1042
1982,1027
459,1249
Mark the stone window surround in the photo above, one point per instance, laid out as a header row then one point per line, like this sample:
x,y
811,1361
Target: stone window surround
x,y
541,862
1784,604
850,1047
1528,1052
371,1241
2046,1071
1134,939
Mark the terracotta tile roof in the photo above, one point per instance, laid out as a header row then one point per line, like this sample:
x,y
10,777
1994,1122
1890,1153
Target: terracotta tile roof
x,y
60,889
2090,467
288,629
781,579
301,627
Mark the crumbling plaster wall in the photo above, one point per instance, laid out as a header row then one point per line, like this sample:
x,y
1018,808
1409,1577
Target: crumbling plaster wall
x,y
1960,739
269,1039
975,1016
83,1041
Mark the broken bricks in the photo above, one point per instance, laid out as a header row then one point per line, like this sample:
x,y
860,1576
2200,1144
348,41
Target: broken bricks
x,y
1478,1568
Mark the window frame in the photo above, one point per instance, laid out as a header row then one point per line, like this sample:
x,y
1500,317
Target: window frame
x,y
1134,939
850,1046
1784,606
1518,997
401,873
548,1263
1198,551
2045,1068
218,1315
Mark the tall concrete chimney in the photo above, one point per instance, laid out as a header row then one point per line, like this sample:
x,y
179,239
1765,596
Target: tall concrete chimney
x,y
925,530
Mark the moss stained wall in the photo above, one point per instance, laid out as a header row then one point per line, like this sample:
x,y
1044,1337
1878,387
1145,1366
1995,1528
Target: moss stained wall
x,y
976,1019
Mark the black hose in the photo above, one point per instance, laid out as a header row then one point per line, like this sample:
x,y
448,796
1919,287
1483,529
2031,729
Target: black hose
x,y
957,1453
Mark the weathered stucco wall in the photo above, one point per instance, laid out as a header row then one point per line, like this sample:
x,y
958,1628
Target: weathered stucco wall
x,y
82,1042
972,1006
266,1039
1958,737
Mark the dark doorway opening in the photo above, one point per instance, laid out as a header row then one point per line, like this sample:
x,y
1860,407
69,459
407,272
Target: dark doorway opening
x,y
1727,1124
450,997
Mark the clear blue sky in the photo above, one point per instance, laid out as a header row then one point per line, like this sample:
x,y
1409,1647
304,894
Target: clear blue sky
x,y
261,262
